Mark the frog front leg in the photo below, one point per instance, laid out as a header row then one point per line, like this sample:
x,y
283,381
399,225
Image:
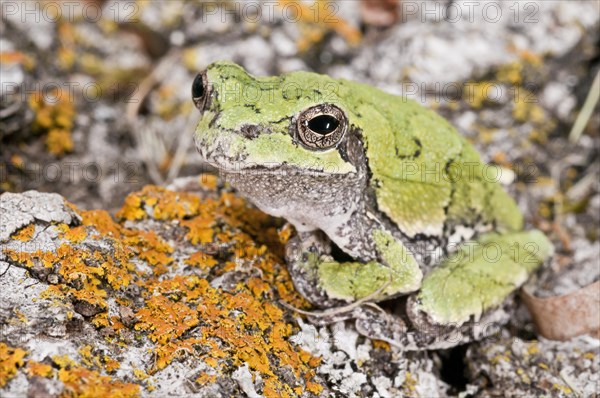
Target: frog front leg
x,y
329,283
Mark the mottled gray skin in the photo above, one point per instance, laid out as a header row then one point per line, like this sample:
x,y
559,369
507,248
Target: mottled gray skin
x,y
305,199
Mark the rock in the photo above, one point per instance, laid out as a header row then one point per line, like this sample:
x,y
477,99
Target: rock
x,y
512,367
19,210
177,295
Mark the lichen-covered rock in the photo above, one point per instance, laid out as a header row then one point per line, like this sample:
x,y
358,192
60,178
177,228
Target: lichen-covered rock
x,y
511,367
122,304
177,295
20,210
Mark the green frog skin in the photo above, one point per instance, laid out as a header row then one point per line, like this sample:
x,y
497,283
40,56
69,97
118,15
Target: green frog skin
x,y
387,198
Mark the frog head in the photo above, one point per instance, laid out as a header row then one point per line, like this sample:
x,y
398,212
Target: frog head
x,y
294,133
297,121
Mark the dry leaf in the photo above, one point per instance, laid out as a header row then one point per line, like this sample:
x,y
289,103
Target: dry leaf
x,y
380,12
567,316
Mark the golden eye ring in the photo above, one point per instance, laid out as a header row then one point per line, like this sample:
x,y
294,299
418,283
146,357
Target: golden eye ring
x,y
321,127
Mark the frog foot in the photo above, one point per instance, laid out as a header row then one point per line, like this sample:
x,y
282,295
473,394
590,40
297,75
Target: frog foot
x,y
329,283
304,253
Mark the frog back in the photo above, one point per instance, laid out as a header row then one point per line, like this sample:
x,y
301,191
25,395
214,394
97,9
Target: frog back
x,y
425,176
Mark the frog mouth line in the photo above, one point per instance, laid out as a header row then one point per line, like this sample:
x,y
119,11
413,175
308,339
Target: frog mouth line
x,y
272,170
213,155
279,171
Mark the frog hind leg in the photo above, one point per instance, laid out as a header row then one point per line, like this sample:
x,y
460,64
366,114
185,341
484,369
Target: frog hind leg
x,y
480,275
328,283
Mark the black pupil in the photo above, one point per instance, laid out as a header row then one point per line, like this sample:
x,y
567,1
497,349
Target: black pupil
x,y
198,87
323,124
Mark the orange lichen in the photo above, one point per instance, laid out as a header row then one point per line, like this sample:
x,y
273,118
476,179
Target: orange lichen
x,y
165,319
285,233
63,361
101,320
132,209
17,161
11,359
182,314
205,378
313,387
200,229
317,20
151,248
410,384
87,273
110,365
209,181
21,317
82,382
140,374
24,234
17,57
245,337
159,203
59,141
88,358
30,259
202,260
38,369
167,353
102,222
382,345
258,287
76,234
54,115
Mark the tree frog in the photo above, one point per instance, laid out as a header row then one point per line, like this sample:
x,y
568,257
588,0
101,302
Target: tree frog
x,y
390,203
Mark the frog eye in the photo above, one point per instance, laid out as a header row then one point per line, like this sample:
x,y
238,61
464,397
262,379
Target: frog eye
x,y
200,90
321,126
